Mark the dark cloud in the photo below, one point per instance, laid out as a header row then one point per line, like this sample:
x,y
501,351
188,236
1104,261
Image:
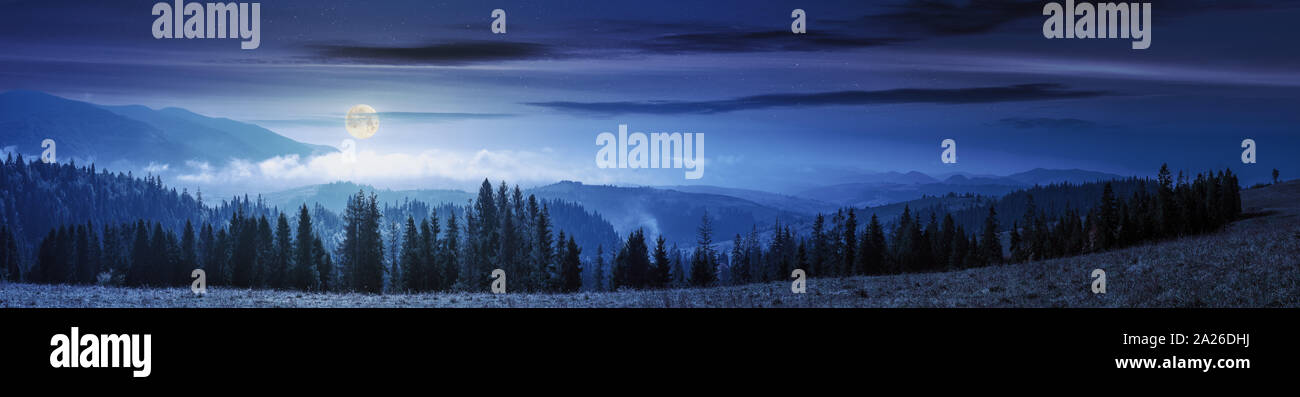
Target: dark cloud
x,y
453,53
1021,92
758,41
937,18
894,24
946,18
475,52
1045,122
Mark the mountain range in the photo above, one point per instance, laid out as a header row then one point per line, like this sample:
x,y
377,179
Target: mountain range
x,y
125,137
134,136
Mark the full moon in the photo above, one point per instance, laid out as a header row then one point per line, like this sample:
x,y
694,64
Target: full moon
x,y
362,121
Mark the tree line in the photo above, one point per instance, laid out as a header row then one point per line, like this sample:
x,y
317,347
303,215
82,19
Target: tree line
x,y
836,246
500,229
1168,207
247,253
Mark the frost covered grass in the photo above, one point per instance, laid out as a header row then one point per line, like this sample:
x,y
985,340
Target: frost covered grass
x,y
1254,262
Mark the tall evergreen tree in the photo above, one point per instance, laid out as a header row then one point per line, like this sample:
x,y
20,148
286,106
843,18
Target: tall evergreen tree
x,y
872,251
850,256
430,275
243,250
449,258
325,266
660,277
219,269
160,261
1108,218
991,243
189,254
395,270
486,237
85,269
819,247
704,262
282,259
140,256
362,249
9,255
572,269
305,269
412,257
543,251
598,274
263,267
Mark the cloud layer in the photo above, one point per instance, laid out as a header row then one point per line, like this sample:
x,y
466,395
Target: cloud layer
x,y
1011,93
373,166
452,53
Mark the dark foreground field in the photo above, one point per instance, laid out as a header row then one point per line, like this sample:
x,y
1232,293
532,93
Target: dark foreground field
x,y
1254,262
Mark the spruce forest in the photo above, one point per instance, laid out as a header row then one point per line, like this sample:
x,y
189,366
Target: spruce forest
x,y
69,224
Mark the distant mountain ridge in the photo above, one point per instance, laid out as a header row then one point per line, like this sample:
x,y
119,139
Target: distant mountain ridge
x,y
888,188
775,200
1043,176
135,135
219,135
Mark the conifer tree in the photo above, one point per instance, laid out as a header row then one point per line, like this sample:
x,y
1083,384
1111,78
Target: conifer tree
x,y
428,273
9,255
598,274
660,277
140,257
362,248
850,245
433,272
189,254
991,243
282,259
306,268
449,257
704,262
817,257
543,251
412,257
572,268
324,266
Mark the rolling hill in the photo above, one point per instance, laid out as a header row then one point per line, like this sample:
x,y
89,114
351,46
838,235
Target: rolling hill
x,y
84,131
775,200
126,137
890,188
674,214
219,138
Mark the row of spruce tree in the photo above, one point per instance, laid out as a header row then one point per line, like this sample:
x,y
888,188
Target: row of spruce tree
x,y
1165,208
503,230
247,252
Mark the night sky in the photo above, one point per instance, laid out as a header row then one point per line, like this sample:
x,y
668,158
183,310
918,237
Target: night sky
x,y
872,87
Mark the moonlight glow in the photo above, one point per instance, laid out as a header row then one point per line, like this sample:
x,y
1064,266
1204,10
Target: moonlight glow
x,y
362,121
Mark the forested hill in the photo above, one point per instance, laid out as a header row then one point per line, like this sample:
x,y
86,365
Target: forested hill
x,y
39,197
1138,197
1053,200
588,228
